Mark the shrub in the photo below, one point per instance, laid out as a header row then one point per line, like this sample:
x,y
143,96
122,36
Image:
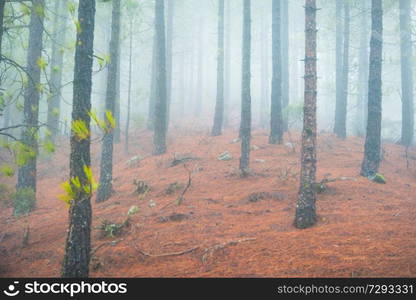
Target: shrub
x,y
24,201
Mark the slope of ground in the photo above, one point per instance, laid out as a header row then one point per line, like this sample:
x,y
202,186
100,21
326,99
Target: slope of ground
x,y
227,226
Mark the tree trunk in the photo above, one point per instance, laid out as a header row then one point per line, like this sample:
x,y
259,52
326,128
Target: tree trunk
x,y
406,55
105,187
126,140
227,63
58,46
191,80
245,128
276,121
2,4
160,123
285,62
372,147
117,111
338,67
27,173
265,76
219,105
152,96
169,54
3,108
182,87
78,243
200,75
361,106
342,104
305,208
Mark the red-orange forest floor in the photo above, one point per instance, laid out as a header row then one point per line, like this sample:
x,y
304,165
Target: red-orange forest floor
x,y
365,229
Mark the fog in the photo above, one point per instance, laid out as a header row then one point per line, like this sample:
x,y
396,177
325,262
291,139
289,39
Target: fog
x,y
138,113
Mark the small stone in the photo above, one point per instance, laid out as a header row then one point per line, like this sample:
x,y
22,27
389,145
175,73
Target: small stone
x,y
290,145
152,203
133,210
134,161
258,160
225,156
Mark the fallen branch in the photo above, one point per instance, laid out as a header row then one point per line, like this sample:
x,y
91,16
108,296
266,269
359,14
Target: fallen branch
x,y
165,254
321,186
210,251
180,198
111,243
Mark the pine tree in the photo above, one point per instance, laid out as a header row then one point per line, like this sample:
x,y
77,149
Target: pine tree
x,y
105,188
245,128
361,104
285,62
57,59
78,242
372,148
160,116
305,208
338,63
276,117
406,54
27,173
219,105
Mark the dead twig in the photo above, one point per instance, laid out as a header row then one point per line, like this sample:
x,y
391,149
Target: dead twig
x,y
110,243
165,254
25,240
209,252
181,196
406,152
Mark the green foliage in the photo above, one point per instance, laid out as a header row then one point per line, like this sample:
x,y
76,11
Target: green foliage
x,y
110,229
40,88
24,201
55,112
41,63
80,129
98,122
39,10
23,153
49,146
77,26
7,170
74,188
106,125
379,178
48,133
111,121
2,102
24,9
71,7
104,61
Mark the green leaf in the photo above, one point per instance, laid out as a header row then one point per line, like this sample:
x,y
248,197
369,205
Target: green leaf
x,y
7,170
41,63
80,129
110,120
71,7
49,146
